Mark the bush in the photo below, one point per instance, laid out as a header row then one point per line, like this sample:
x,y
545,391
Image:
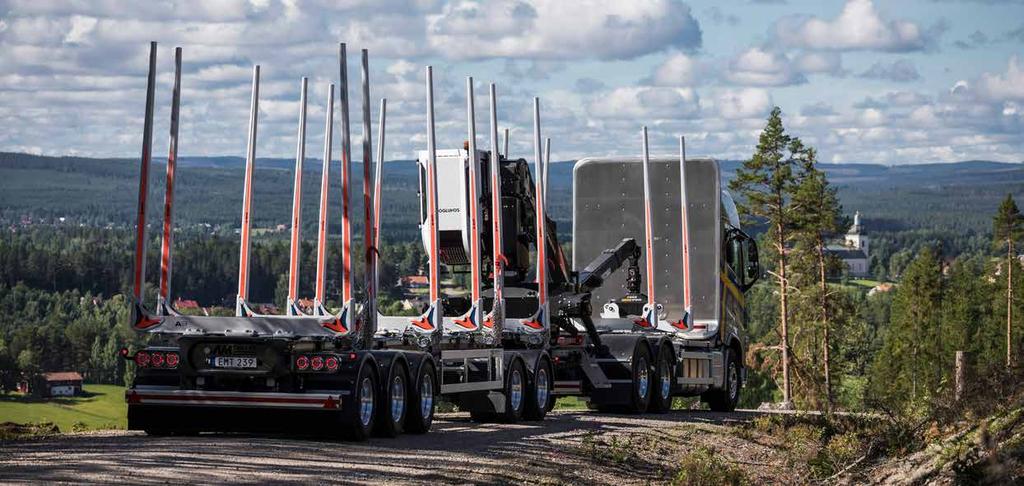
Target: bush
x,y
703,468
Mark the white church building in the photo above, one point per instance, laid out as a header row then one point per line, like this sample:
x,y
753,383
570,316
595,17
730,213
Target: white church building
x,y
854,250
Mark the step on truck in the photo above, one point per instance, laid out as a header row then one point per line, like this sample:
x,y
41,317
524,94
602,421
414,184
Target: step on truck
x,y
523,333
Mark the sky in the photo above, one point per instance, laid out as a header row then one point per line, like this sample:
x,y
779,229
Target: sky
x,y
863,81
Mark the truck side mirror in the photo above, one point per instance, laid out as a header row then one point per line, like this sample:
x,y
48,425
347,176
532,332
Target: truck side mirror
x,y
753,269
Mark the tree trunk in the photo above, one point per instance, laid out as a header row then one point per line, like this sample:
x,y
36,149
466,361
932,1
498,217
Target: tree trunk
x,y
824,320
784,313
1009,300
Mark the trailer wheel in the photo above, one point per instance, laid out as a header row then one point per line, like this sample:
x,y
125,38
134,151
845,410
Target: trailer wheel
x,y
358,412
664,375
539,396
515,393
641,396
421,401
725,399
393,407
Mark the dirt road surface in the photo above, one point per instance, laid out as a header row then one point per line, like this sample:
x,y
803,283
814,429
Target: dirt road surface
x,y
567,448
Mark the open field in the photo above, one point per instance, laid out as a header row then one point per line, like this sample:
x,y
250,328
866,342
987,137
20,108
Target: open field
x,y
102,407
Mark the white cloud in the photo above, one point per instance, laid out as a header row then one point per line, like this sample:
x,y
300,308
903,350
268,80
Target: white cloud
x,y
858,27
820,62
1003,86
555,29
760,67
742,103
899,71
645,103
677,69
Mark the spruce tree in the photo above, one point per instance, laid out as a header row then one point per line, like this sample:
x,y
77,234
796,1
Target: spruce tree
x,y
1007,228
765,184
909,365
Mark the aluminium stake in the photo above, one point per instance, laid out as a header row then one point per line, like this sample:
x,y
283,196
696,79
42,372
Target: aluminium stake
x,y
296,238
139,318
163,306
325,179
241,307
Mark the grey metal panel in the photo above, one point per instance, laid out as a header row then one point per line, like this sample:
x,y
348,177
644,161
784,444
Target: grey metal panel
x,y
242,326
608,206
704,232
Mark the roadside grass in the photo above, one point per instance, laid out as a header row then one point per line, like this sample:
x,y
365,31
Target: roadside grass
x,y
570,403
101,407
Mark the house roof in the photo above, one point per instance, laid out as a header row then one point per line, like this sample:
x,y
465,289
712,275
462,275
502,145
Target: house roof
x,y
62,376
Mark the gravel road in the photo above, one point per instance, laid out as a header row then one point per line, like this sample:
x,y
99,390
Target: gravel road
x,y
569,447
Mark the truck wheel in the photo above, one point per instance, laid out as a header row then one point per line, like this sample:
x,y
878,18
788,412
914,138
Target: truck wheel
x,y
515,393
641,396
421,401
664,376
539,397
391,414
725,399
358,411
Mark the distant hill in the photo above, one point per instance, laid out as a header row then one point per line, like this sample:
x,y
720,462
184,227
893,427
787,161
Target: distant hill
x,y
958,196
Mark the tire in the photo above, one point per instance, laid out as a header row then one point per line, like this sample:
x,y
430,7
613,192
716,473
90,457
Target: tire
x,y
515,393
640,398
393,406
539,395
725,399
664,377
358,413
422,401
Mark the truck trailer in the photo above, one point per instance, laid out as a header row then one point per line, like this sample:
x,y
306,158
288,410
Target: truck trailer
x,y
651,306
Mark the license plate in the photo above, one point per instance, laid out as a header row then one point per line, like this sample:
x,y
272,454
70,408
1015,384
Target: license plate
x,y
233,362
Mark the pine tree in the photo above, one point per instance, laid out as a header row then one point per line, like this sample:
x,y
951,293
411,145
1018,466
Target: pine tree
x,y
765,184
1007,228
819,216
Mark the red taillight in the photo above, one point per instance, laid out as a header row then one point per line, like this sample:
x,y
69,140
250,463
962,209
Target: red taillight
x,y
172,360
331,362
157,359
124,352
142,359
317,362
302,362
352,356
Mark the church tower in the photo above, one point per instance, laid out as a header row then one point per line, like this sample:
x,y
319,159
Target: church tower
x,y
855,238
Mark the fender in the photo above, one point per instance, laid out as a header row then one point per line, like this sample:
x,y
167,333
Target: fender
x,y
621,346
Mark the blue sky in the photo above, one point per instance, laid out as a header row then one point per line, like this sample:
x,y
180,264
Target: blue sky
x,y
892,82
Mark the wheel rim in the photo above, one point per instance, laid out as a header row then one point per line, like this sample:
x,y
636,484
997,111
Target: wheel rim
x,y
397,398
734,379
643,377
542,388
366,401
426,396
666,379
517,389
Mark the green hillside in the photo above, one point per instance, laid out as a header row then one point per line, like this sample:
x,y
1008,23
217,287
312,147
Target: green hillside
x,y
102,407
